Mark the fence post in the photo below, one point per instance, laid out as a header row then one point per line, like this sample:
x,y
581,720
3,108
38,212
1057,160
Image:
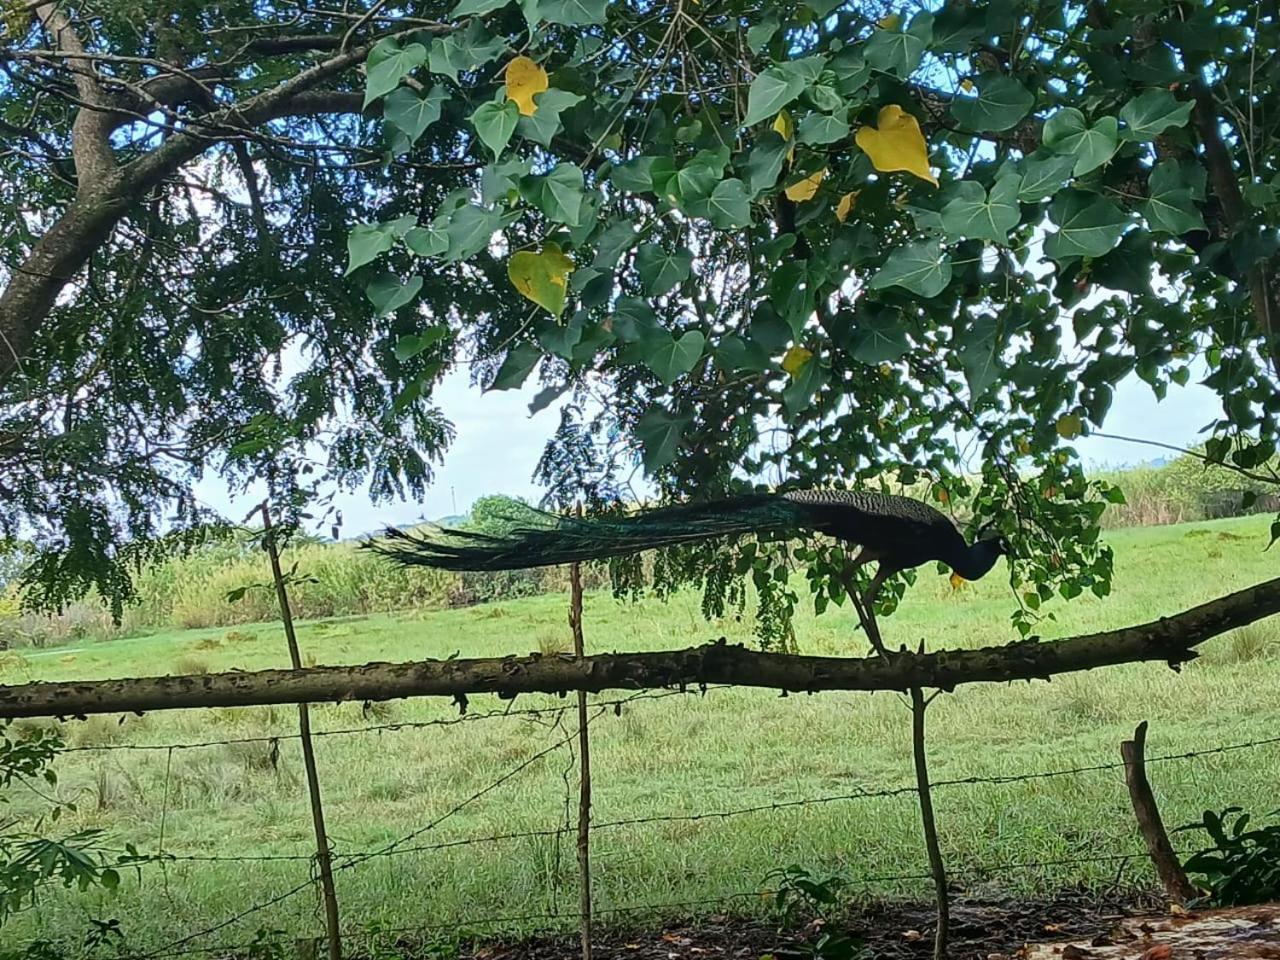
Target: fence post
x,y
1168,868
937,867
323,858
865,609
584,775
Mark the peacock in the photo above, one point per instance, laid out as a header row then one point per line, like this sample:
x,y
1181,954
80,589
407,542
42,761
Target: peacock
x,y
897,532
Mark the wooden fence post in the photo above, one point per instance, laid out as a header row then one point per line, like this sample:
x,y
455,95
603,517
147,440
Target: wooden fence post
x,y
584,769
323,857
1167,865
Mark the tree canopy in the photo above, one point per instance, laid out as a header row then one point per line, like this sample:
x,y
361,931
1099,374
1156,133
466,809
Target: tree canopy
x,y
799,243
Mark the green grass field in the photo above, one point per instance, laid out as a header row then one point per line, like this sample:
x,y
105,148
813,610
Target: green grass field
x,y
729,749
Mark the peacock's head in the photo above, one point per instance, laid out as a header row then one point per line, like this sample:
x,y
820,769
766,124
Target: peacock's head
x,y
993,541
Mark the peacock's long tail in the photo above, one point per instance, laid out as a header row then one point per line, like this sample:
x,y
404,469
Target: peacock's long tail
x,y
535,538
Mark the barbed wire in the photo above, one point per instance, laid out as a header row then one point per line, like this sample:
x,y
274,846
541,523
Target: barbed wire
x,y
770,807
351,861
396,727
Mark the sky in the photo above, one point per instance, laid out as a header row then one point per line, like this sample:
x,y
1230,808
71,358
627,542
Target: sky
x,y
498,444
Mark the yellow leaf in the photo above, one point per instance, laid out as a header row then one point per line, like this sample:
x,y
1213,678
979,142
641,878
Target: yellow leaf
x,y
1069,426
846,205
891,22
795,359
804,189
957,581
542,277
524,79
786,129
896,143
1023,446
966,85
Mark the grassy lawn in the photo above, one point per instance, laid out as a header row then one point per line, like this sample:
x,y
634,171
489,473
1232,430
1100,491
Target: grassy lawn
x,y
729,749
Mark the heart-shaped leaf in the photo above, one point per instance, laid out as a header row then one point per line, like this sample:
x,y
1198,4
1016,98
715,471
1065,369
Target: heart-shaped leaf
x,y
543,277
524,79
896,143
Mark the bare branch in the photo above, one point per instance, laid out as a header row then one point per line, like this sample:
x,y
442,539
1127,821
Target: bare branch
x,y
1171,639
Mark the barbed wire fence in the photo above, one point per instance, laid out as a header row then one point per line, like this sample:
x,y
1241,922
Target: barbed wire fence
x,y
205,940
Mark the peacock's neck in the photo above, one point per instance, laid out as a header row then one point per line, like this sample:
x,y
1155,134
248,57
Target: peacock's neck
x,y
975,562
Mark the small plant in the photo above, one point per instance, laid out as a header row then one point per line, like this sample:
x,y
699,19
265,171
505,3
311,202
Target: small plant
x,y
797,894
267,945
1243,865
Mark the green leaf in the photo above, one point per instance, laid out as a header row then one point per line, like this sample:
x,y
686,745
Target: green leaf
x,y
573,13
661,271
659,433
476,8
499,178
545,123
693,182
412,344
730,205
979,359
1067,131
634,176
851,69
616,240
368,241
892,52
634,320
761,33
560,194
774,88
672,358
427,241
1044,177
1001,102
470,228
412,114
798,394
463,50
818,128
388,64
919,267
516,367
878,338
561,338
764,162
388,294
495,123
1150,114
976,214
1169,207
1088,226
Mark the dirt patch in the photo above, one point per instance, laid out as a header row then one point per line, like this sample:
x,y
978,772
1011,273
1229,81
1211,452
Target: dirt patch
x,y
981,929
1239,933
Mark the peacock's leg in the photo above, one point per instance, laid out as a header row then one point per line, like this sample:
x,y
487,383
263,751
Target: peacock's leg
x,y
883,573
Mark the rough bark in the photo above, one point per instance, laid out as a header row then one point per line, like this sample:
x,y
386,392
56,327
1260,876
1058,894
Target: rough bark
x,y
1171,639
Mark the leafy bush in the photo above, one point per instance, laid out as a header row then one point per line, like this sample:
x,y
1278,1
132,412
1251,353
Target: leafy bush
x,y
799,895
1243,865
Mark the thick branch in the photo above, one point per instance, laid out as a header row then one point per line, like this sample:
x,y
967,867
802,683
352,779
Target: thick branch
x,y
1171,639
91,131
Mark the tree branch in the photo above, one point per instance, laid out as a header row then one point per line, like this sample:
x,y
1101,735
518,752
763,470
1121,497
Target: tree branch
x,y
1170,639
91,130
